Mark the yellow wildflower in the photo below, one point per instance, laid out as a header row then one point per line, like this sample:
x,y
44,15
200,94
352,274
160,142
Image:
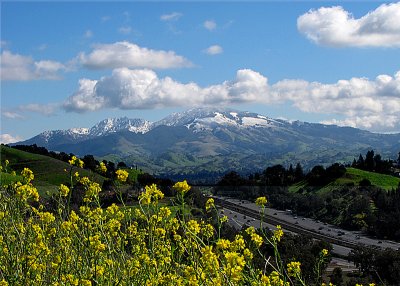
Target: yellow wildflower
x,y
27,174
122,175
64,190
278,233
182,187
261,201
193,226
324,252
293,268
209,204
102,168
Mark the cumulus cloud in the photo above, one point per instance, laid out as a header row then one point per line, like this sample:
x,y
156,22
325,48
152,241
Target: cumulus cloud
x,y
126,54
171,17
24,68
143,89
336,27
368,104
8,138
210,25
214,50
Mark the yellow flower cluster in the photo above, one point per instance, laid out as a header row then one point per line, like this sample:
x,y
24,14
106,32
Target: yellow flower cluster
x,y
209,204
151,195
27,174
182,187
278,233
102,168
64,190
293,268
74,161
122,175
143,245
261,201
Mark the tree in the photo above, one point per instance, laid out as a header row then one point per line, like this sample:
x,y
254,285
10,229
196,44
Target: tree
x,y
369,161
298,172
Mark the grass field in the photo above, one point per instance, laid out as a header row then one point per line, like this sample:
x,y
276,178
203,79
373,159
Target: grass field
x,y
354,176
49,172
386,182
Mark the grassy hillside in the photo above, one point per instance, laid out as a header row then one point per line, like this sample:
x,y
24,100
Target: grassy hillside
x,y
49,172
354,176
386,182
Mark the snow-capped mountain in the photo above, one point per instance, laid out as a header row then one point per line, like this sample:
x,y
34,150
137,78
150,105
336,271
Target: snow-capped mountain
x,y
204,139
105,127
111,125
202,119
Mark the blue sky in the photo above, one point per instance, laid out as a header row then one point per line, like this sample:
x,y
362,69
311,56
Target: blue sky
x,y
72,64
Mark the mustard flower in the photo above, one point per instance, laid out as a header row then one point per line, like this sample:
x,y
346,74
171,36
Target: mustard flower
x,y
324,252
64,190
223,243
182,187
293,268
27,174
261,201
122,175
193,226
209,204
102,168
257,239
278,233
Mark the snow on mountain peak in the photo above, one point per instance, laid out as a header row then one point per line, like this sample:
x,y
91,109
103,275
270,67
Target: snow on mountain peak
x,y
111,125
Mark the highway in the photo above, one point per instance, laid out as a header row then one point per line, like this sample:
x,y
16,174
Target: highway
x,y
242,212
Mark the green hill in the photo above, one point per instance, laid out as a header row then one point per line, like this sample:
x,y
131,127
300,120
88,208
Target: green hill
x,y
49,172
354,176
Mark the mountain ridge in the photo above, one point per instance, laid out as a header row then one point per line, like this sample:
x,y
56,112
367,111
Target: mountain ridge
x,y
205,139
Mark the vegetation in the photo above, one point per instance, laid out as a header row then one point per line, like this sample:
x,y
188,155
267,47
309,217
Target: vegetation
x,y
49,172
42,244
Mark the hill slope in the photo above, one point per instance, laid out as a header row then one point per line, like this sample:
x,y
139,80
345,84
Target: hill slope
x,y
49,172
353,176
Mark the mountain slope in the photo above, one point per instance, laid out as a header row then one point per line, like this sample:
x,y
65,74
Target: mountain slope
x,y
204,140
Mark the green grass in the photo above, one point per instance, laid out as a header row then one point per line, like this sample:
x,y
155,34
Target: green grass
x,y
6,179
386,182
49,172
353,177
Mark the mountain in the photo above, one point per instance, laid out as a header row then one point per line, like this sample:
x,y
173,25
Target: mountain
x,y
49,139
208,140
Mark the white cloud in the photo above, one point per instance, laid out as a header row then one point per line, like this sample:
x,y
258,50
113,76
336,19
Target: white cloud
x,y
143,89
11,115
210,25
336,27
20,67
8,138
125,30
171,17
369,104
126,54
214,50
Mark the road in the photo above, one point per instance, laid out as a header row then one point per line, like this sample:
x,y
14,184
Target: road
x,y
345,239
